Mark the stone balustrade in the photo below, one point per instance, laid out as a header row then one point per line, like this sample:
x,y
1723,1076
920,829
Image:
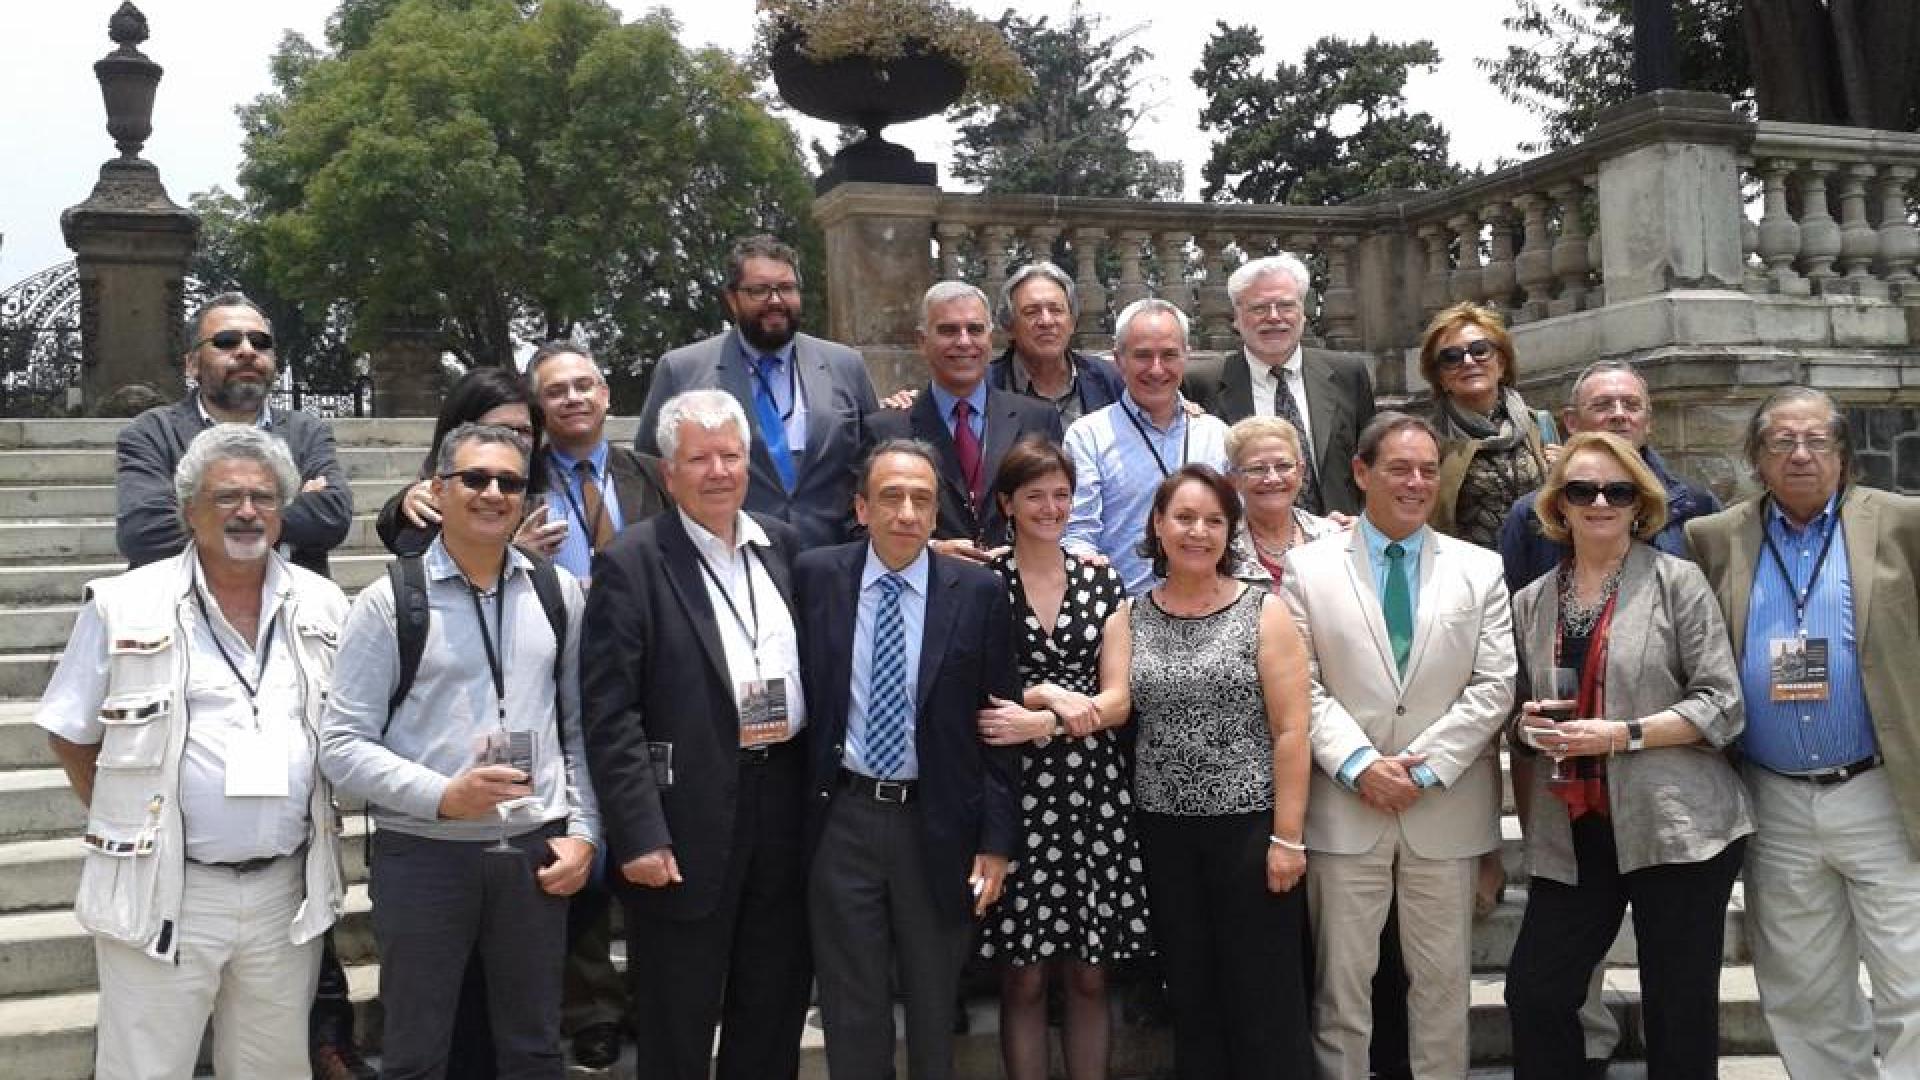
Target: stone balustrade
x,y
1834,212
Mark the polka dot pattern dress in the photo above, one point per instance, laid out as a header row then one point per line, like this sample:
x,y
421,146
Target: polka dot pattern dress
x,y
1076,890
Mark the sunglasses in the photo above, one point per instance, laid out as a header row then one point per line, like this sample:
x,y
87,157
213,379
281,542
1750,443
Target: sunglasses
x,y
229,340
1455,355
476,481
1617,493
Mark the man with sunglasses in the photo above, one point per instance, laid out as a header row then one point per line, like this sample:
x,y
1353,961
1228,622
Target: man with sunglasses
x,y
807,398
232,363
476,779
1816,578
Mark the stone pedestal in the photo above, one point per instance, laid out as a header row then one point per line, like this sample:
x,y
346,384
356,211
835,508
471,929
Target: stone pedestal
x,y
407,376
879,264
1670,206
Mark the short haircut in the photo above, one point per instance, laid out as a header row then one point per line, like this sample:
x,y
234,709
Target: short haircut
x,y
1254,428
231,298
1384,424
1031,457
1039,269
1285,263
479,435
548,351
1223,491
1149,305
1649,509
946,292
1606,367
233,442
762,246
899,445
1453,318
709,409
1838,427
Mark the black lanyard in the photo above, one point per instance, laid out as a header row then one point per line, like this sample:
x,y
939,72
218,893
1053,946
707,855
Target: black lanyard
x,y
566,488
753,603
266,653
793,384
1801,597
1186,433
486,639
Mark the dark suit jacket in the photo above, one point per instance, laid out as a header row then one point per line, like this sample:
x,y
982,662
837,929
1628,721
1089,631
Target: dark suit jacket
x,y
1009,416
1339,404
637,484
147,524
838,395
657,672
1100,384
968,800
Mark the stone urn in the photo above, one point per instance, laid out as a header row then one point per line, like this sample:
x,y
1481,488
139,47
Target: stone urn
x,y
869,94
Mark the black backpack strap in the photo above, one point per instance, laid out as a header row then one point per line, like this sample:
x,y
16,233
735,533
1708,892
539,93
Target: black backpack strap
x,y
411,615
546,585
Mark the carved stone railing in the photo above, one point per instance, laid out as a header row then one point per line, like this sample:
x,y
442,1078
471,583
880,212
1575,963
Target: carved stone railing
x,y
1835,212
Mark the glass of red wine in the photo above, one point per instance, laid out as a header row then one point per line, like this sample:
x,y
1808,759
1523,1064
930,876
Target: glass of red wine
x,y
1555,694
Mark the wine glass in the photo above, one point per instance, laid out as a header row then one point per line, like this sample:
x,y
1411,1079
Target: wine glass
x,y
1555,694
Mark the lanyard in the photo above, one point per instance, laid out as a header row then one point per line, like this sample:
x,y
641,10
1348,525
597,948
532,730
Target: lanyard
x,y
793,384
753,603
1186,433
486,639
266,653
566,479
1801,596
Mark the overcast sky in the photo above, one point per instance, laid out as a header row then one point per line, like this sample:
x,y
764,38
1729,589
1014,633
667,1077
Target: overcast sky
x,y
53,136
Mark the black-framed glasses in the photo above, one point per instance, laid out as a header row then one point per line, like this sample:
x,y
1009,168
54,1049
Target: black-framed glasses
x,y
1617,493
1455,355
785,290
229,340
477,481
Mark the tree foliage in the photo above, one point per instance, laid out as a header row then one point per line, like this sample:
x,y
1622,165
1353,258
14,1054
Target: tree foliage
x,y
1072,134
1279,136
506,171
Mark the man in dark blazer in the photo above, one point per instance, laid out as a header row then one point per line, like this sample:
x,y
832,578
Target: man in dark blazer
x,y
912,817
954,337
806,398
1039,308
701,776
1331,394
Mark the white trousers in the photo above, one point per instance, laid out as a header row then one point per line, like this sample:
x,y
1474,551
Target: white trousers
x,y
1832,881
236,966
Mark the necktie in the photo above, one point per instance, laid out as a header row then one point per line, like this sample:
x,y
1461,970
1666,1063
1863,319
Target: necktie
x,y
773,426
967,445
887,706
1286,409
1399,606
594,505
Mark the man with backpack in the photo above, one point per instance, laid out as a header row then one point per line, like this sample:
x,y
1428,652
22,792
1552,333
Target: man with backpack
x,y
455,714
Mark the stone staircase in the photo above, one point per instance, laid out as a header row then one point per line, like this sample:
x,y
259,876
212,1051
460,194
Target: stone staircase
x,y
56,532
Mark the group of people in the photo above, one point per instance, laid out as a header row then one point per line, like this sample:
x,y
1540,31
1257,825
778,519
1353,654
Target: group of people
x,y
1058,662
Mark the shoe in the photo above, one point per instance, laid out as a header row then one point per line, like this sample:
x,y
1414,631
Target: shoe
x,y
340,1061
1595,1069
597,1046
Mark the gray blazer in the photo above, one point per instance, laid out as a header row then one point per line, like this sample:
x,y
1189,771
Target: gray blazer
x,y
1667,649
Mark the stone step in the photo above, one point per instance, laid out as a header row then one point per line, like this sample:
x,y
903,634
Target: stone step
x,y
412,431
92,539
79,501
37,804
95,465
25,586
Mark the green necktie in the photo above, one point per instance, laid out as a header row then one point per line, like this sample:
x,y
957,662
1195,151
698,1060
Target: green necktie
x,y
1399,606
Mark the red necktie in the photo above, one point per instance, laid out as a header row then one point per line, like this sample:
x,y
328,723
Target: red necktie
x,y
968,447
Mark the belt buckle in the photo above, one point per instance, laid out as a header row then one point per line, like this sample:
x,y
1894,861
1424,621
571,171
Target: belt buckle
x,y
892,791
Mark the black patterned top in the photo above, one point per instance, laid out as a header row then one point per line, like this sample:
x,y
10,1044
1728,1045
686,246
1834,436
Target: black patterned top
x,y
1203,746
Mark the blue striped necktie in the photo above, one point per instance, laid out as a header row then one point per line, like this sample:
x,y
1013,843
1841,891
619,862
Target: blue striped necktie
x,y
887,706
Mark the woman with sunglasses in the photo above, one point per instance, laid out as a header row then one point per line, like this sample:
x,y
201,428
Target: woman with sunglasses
x,y
1264,459
1640,805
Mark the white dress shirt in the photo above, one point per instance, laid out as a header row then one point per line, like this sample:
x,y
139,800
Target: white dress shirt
x,y
763,646
1265,379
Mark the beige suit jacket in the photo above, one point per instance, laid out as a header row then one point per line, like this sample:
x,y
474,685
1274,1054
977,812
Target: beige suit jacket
x,y
1456,693
1882,532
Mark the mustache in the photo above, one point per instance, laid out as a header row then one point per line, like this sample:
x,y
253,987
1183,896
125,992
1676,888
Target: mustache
x,y
245,528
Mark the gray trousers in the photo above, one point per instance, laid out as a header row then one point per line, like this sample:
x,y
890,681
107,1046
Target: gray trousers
x,y
434,902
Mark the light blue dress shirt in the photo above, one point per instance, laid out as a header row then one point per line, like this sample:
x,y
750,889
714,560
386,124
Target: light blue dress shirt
x,y
913,617
788,397
1415,545
567,501
977,401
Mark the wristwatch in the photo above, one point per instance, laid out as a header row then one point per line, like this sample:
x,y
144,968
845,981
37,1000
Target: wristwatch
x,y
1636,737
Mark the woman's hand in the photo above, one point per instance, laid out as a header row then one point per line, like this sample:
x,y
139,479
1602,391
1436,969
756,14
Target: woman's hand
x,y
1285,867
1008,723
537,534
1572,738
1077,712
417,505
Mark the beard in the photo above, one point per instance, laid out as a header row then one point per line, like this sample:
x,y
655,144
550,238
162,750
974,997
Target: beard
x,y
766,338
237,396
245,545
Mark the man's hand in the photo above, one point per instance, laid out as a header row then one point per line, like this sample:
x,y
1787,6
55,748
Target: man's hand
x,y
417,504
540,535
965,549
318,483
1385,785
567,873
474,793
900,399
1008,723
1344,521
988,876
654,870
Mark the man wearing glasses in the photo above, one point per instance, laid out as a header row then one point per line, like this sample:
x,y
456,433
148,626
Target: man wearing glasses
x,y
1816,578
806,398
231,361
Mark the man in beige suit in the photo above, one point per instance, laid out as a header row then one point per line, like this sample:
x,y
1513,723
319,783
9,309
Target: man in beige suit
x,y
1411,641
1817,579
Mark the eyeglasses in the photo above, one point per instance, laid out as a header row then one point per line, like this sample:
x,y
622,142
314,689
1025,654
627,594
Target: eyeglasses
x,y
1266,308
477,480
1617,493
1784,445
229,501
786,290
1455,355
1607,406
1263,470
229,340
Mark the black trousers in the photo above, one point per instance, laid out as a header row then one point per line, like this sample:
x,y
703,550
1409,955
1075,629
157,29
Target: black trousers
x,y
331,1020
745,965
1679,916
1233,952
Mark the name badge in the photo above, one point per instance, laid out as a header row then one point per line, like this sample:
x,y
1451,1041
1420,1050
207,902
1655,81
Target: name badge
x,y
1797,669
257,762
763,711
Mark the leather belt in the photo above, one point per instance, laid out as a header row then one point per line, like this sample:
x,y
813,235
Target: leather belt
x,y
760,755
249,866
1827,777
899,792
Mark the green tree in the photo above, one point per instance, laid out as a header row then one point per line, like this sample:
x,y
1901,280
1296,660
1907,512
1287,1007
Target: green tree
x,y
1279,136
508,171
1072,134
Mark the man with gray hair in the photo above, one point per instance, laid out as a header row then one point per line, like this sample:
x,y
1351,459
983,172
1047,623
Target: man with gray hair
x,y
969,424
211,868
1326,396
1038,309
696,730
1121,453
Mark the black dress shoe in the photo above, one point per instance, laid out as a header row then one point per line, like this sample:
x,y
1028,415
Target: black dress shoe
x,y
339,1061
1595,1069
597,1046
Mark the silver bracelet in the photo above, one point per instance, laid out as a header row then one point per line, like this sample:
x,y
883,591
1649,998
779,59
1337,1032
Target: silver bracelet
x,y
1281,841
